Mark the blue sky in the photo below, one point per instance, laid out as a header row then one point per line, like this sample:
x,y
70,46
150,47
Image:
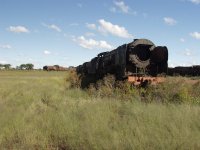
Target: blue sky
x,y
70,32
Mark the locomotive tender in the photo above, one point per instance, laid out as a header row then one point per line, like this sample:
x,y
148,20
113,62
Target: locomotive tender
x,y
135,58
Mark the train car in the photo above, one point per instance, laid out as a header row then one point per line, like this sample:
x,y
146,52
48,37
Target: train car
x,y
184,71
196,70
54,68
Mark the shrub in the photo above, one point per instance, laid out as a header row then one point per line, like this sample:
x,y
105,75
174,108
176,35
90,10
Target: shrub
x,y
73,80
109,87
173,90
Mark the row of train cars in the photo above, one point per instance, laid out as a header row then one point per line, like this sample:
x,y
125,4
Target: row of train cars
x,y
184,71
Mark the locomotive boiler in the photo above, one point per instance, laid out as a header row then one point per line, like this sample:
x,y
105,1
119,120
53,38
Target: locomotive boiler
x,y
139,57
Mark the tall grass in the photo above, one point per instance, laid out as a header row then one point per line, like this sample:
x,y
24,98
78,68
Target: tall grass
x,y
38,110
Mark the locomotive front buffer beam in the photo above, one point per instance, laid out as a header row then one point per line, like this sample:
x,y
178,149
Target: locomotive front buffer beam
x,y
145,80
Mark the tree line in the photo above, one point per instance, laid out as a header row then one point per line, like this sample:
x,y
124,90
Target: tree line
x,y
28,66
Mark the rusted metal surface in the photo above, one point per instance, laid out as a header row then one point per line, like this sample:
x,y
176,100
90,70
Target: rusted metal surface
x,y
136,80
185,71
141,52
128,59
54,68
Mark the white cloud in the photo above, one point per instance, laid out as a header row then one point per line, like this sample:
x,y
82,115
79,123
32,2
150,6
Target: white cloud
x,y
195,1
3,62
89,34
122,6
195,35
104,44
108,27
91,26
189,62
187,52
113,9
5,46
46,52
74,24
53,27
182,39
170,21
91,43
18,29
80,5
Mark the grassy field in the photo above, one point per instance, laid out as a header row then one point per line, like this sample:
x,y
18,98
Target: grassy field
x,y
38,110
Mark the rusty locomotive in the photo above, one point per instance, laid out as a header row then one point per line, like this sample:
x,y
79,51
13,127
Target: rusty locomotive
x,y
140,57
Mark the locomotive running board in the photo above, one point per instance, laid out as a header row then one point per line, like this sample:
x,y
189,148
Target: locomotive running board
x,y
135,80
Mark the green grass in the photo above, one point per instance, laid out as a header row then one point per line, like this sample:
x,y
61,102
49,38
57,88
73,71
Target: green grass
x,y
38,110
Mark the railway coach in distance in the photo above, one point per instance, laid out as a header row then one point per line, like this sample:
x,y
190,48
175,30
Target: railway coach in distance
x,y
138,58
185,70
54,68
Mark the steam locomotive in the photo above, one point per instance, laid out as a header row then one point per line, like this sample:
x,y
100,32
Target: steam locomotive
x,y
140,56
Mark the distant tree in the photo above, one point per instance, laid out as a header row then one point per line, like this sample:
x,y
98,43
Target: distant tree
x,y
22,66
1,66
29,66
7,66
